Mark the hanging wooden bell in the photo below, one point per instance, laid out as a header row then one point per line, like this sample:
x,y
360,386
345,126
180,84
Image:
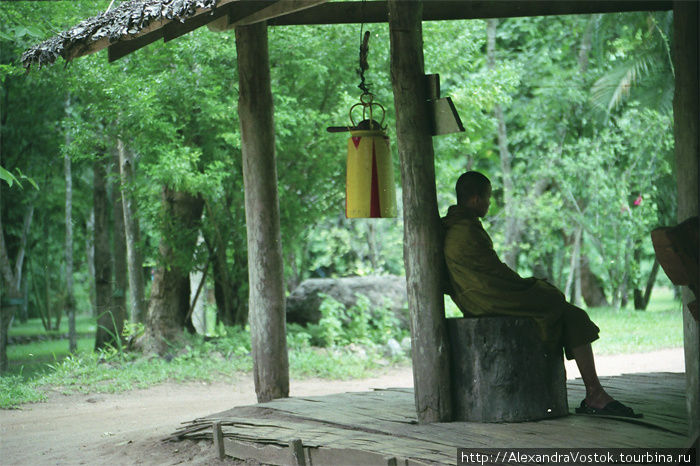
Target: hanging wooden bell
x,y
370,190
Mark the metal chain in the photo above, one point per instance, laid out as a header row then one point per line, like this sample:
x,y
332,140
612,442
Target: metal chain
x,y
364,66
364,50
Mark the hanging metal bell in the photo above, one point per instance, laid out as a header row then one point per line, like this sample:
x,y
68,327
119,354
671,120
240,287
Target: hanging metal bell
x,y
370,191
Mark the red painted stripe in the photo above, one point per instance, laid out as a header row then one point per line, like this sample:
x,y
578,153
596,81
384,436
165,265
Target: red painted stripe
x,y
374,210
356,140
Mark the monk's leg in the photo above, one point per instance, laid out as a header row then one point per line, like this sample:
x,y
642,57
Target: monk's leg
x,y
596,396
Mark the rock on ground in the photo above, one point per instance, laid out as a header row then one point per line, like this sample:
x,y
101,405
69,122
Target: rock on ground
x,y
304,303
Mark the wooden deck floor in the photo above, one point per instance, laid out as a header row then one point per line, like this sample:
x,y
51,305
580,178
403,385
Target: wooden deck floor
x,y
374,427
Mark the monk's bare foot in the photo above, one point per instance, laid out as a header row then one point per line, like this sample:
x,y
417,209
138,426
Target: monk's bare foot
x,y
598,398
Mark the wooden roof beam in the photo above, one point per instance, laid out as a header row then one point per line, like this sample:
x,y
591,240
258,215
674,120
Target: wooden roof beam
x,y
174,30
279,8
376,11
122,48
249,12
231,13
243,9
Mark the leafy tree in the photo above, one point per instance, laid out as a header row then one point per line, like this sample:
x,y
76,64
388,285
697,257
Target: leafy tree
x,y
639,65
580,156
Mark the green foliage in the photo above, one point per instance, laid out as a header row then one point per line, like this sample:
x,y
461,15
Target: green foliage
x,y
589,169
14,391
639,66
331,324
360,324
133,330
174,106
339,363
11,179
222,357
617,216
198,358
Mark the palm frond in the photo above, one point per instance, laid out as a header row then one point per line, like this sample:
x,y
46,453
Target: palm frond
x,y
613,88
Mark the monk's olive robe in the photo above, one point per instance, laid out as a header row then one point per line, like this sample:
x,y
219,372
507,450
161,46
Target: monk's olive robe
x,y
483,285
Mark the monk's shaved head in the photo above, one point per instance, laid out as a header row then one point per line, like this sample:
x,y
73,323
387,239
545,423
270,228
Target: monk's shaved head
x,y
471,184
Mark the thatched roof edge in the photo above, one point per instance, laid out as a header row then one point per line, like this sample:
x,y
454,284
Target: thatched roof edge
x,y
126,20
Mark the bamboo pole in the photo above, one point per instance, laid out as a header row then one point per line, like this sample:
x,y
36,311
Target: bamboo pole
x,y
422,231
265,265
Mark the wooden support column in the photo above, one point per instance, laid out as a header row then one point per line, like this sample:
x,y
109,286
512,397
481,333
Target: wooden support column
x,y
265,265
686,111
422,230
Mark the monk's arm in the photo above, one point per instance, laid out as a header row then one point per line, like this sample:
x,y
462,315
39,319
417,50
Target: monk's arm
x,y
485,257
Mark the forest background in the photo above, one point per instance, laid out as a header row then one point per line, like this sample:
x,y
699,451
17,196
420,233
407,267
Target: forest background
x,y
113,171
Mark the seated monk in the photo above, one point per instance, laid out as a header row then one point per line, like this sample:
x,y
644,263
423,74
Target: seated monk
x,y
483,285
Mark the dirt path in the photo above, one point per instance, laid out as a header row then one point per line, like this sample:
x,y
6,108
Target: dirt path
x,y
126,428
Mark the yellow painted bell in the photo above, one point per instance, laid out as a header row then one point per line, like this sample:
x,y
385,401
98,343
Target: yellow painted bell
x,y
370,191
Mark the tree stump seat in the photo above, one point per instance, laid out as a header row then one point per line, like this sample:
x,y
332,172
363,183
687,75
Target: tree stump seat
x,y
501,371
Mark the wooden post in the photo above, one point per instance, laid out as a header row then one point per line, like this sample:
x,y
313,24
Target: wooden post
x,y
686,114
265,266
218,436
422,231
296,448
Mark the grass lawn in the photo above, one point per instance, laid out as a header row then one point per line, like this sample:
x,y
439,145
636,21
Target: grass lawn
x,y
33,327
628,331
31,359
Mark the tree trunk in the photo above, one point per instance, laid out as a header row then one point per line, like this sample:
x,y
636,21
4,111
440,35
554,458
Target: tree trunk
x,y
119,255
265,263
90,256
106,333
47,274
198,291
372,246
641,300
70,299
222,286
577,277
592,289
422,230
512,223
7,313
495,380
227,284
545,268
40,304
133,237
25,301
170,290
617,297
12,278
239,285
625,285
686,130
574,270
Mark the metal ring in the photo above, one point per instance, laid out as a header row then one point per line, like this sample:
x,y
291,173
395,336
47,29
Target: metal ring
x,y
368,95
365,107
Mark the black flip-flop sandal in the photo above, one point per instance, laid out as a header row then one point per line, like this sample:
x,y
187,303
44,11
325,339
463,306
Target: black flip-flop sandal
x,y
614,408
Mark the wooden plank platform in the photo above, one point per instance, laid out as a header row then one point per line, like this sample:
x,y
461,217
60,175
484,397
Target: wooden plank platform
x,y
381,427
